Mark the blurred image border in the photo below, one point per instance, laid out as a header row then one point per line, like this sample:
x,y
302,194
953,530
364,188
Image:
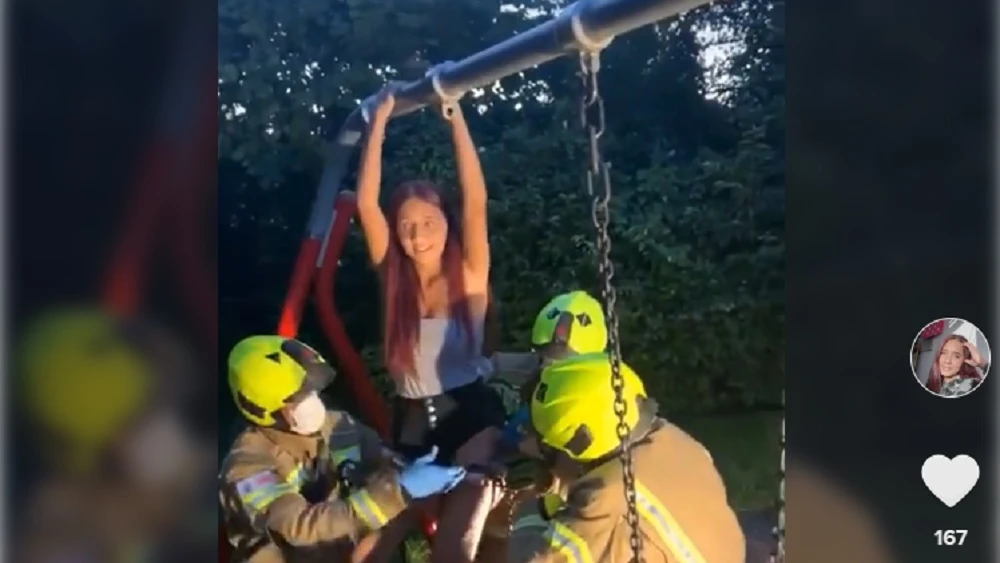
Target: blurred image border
x,y
87,94
885,141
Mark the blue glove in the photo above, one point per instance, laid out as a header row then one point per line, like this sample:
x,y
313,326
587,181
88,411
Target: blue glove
x,y
423,478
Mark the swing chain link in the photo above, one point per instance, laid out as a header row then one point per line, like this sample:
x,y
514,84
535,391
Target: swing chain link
x,y
778,555
598,171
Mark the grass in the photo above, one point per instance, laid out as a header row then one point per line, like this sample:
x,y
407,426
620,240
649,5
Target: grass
x,y
746,450
416,550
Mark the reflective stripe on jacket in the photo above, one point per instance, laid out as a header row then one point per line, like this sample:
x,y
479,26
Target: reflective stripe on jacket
x,y
283,497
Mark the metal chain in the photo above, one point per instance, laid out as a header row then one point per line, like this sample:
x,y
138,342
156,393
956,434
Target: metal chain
x,y
778,555
598,171
511,509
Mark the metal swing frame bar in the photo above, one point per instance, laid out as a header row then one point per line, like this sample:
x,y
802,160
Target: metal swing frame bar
x,y
587,25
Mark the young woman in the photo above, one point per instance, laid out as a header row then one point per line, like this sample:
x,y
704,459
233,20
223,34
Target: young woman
x,y
958,368
434,271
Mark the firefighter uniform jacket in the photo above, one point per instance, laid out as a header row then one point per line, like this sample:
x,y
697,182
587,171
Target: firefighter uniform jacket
x,y
680,499
288,498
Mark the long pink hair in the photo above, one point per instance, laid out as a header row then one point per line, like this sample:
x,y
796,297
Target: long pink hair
x,y
401,289
966,371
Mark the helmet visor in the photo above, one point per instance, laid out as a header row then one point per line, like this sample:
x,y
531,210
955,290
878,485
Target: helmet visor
x,y
318,374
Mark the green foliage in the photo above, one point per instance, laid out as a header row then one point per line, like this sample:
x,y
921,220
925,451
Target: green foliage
x,y
746,453
698,210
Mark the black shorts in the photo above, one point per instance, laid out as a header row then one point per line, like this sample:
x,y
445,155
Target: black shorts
x,y
458,415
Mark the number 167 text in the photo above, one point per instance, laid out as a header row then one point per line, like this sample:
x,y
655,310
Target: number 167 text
x,y
950,537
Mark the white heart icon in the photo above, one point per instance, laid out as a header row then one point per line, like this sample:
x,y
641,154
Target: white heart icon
x,y
950,479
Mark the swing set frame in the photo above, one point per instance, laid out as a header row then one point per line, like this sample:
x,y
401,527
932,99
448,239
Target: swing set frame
x,y
585,26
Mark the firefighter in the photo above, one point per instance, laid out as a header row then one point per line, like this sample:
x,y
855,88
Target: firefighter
x,y
302,483
570,323
118,467
683,515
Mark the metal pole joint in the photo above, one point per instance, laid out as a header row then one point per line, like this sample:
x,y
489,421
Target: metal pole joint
x,y
442,94
583,41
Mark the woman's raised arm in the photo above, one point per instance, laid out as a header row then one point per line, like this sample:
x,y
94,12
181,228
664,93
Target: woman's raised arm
x,y
373,223
470,178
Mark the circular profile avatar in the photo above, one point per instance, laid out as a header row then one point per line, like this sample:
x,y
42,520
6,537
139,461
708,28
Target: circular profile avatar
x,y
950,357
